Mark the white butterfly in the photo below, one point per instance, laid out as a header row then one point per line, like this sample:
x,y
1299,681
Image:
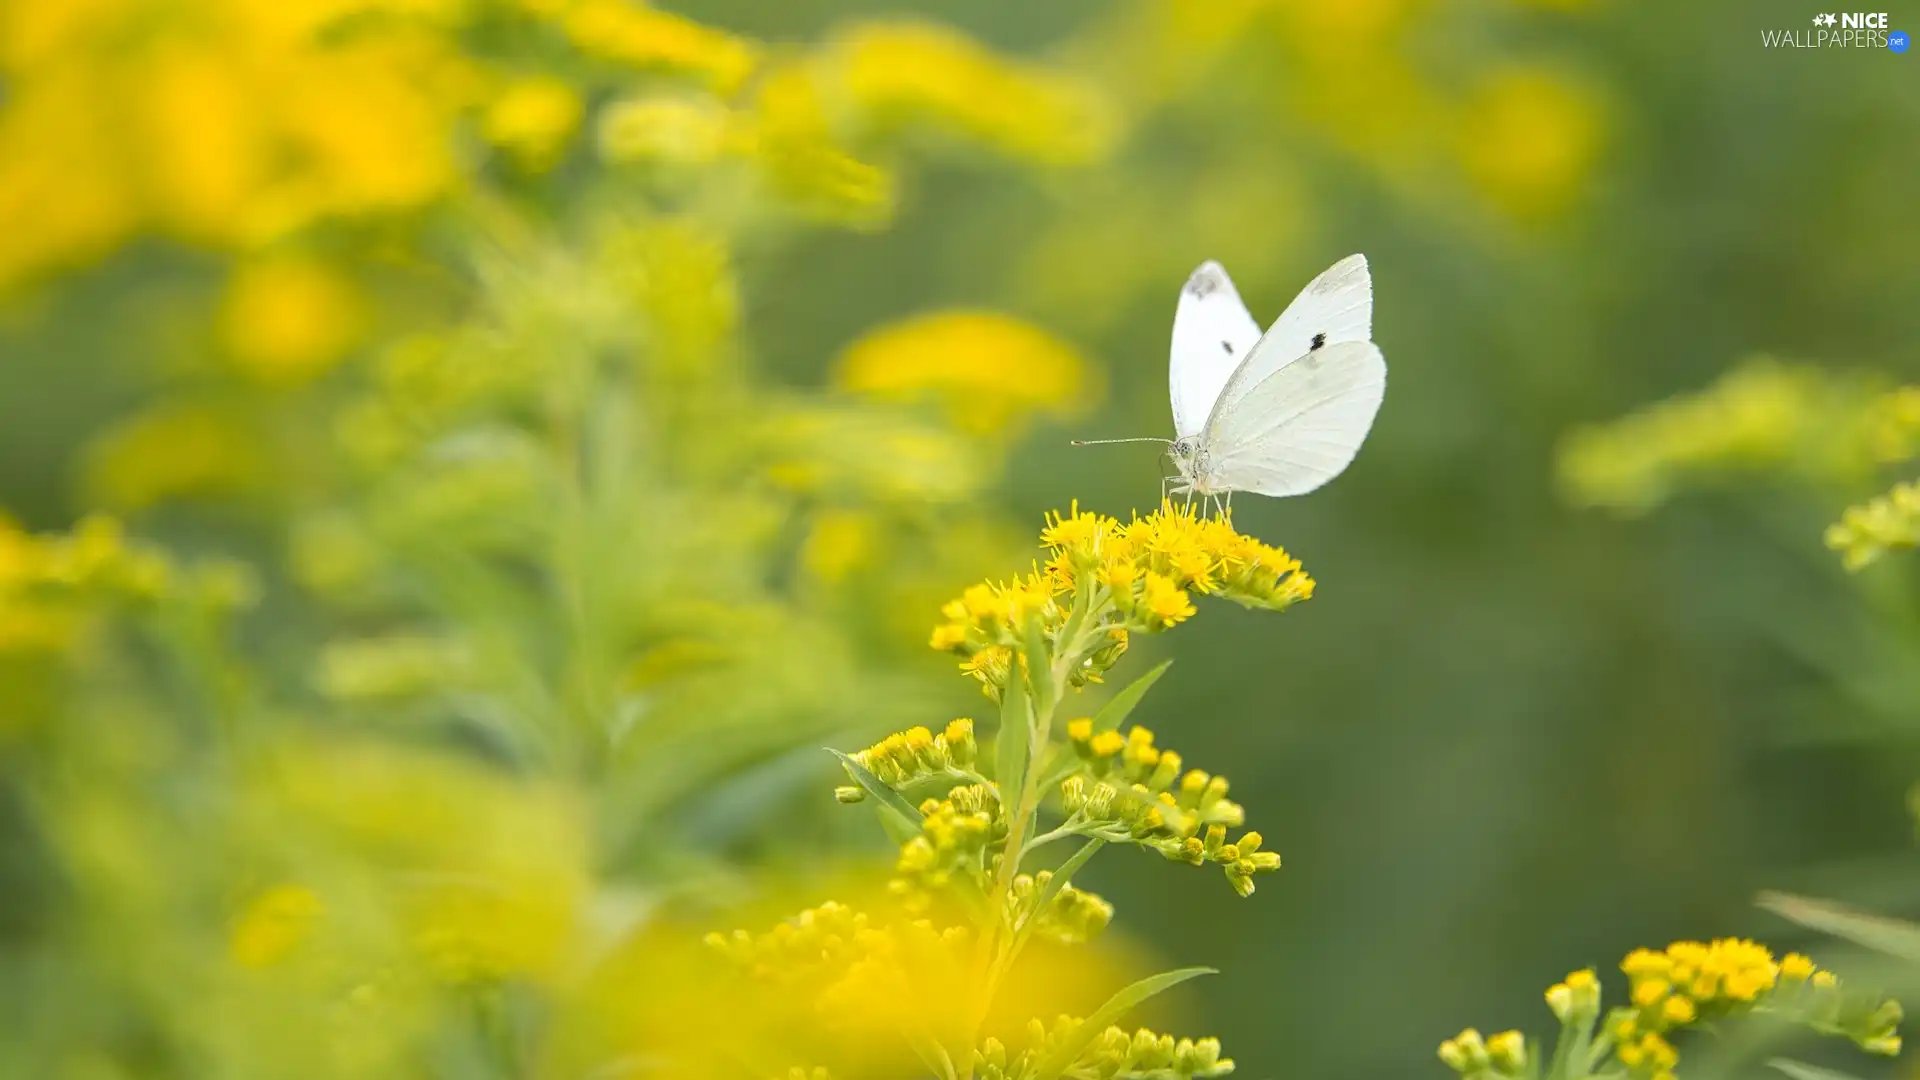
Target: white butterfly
x,y
1280,413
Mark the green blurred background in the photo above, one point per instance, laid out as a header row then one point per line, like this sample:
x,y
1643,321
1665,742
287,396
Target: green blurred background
x,y
1510,736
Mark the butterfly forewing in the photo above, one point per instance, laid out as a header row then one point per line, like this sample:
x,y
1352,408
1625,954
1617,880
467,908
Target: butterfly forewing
x,y
1212,334
1334,308
1300,426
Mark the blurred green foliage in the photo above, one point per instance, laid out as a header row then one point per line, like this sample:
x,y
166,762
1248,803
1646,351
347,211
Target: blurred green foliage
x,y
545,423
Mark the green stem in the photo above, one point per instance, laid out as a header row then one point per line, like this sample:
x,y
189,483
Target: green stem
x,y
1061,833
997,950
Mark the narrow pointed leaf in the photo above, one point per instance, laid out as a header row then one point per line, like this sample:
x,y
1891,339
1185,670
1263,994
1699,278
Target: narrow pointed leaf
x,y
1883,935
1115,711
1800,1070
1063,1056
1039,668
1061,879
893,805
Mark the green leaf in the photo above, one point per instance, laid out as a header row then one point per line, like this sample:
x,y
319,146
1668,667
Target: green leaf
x,y
1039,669
1800,1070
1883,935
1061,879
1115,711
903,815
1011,744
1056,1063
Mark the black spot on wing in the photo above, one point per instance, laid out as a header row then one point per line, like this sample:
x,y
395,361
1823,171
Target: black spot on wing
x,y
1228,347
1319,341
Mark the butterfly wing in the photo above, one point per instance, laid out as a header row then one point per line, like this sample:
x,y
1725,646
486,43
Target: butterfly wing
x,y
1300,426
1212,334
1334,308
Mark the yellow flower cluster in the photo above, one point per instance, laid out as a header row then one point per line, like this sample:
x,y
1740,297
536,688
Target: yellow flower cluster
x,y
1185,821
1134,759
1690,982
858,973
916,754
287,318
1073,917
818,937
1124,577
1528,138
1114,1054
1687,983
642,37
1889,522
1501,1055
990,372
49,584
532,117
954,835
274,924
903,72
809,121
230,127
1763,416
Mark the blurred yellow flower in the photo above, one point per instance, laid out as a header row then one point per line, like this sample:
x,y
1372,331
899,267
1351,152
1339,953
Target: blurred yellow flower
x,y
679,128
1762,416
793,141
896,73
633,34
839,543
288,318
175,450
1889,522
274,924
225,128
531,119
991,372
1528,139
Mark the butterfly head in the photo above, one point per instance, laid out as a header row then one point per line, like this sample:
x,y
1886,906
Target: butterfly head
x,y
1187,457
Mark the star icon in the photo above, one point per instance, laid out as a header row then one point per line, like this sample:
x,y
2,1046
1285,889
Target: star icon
x,y
1830,19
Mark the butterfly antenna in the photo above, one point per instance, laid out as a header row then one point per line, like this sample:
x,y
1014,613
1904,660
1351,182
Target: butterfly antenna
x,y
1109,442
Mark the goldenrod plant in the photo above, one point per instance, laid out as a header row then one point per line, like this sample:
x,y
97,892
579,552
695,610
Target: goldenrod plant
x,y
976,881
527,595
1824,431
1820,433
1688,985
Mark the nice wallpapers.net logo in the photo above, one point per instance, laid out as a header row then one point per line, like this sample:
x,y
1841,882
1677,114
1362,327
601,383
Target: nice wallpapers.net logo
x,y
1840,30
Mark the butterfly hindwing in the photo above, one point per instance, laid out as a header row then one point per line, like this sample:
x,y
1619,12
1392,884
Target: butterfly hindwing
x,y
1301,425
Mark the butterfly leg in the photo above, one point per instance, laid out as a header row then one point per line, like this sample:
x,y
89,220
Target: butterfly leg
x,y
1229,510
